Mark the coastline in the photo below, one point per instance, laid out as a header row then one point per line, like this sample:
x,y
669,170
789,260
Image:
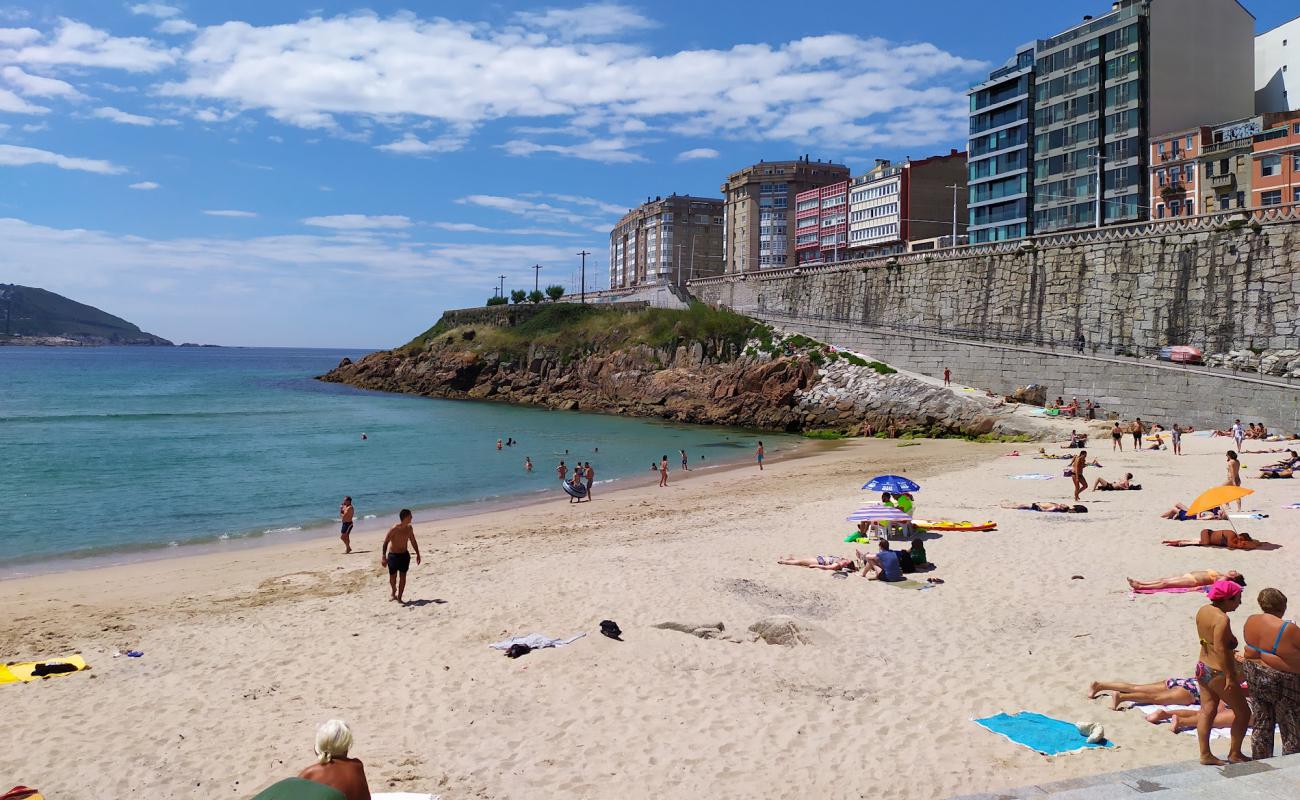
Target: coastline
x,y
314,531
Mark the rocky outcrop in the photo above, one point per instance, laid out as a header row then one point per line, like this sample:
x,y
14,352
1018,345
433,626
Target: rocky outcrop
x,y
1278,363
690,384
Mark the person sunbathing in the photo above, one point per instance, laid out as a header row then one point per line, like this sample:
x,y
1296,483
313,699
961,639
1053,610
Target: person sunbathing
x,y
829,563
1184,719
1230,540
1188,580
333,767
1171,692
1179,513
1125,485
1056,508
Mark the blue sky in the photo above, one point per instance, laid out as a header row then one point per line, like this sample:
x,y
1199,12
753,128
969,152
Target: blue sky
x,y
332,174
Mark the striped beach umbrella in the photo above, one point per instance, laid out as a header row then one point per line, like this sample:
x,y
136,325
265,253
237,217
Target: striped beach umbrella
x,y
878,513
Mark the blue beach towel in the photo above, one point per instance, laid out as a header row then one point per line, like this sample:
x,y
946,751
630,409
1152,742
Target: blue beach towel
x,y
1051,737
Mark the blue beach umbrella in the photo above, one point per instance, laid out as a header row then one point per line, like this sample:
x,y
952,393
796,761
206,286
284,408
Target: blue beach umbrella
x,y
878,513
894,484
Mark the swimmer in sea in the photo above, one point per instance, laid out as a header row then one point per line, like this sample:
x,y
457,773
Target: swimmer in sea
x,y
528,464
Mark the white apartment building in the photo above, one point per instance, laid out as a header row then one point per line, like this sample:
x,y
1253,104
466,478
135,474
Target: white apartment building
x,y
1277,69
875,211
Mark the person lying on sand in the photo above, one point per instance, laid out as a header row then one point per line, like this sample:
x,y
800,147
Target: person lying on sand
x,y
1056,508
1184,719
1171,692
1179,513
1230,540
830,563
1043,454
1189,580
1125,485
333,767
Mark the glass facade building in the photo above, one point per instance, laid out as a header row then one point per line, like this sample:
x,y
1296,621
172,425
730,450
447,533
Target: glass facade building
x,y
1000,154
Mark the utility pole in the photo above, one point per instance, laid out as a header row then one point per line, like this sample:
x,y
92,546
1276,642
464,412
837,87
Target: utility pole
x,y
583,294
535,268
693,238
954,188
501,290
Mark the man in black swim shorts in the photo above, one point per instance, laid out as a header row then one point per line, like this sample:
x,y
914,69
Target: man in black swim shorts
x,y
396,555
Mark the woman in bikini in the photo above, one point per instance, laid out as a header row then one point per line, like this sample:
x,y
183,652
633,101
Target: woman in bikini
x,y
1104,485
1116,438
1170,692
831,563
1189,580
1179,513
1058,508
1229,540
1272,669
1216,671
1234,473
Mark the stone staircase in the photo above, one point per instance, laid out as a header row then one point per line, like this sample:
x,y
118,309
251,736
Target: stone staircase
x,y
1274,779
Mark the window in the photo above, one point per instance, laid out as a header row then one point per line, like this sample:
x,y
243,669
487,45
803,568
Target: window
x,y
1160,176
1270,166
1273,198
1175,208
1295,163
1241,199
1189,143
1161,148
1160,211
1295,195
1209,169
1225,202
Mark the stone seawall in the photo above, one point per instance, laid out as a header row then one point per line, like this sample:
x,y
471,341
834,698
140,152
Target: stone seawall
x,y
1128,387
1216,282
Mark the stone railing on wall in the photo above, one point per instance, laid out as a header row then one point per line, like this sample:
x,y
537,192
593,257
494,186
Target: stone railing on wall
x,y
508,316
1219,282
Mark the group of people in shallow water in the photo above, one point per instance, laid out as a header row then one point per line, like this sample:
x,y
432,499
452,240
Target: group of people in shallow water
x,y
1256,689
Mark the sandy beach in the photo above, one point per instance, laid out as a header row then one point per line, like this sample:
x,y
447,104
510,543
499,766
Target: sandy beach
x,y
245,652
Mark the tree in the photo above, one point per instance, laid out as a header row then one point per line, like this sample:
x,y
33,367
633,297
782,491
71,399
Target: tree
x,y
555,292
496,300
518,296
535,296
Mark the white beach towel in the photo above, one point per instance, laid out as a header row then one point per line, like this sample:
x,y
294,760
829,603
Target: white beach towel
x,y
1248,515
1032,476
405,796
1217,733
536,641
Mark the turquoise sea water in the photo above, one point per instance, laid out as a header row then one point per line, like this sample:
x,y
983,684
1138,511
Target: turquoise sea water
x,y
108,450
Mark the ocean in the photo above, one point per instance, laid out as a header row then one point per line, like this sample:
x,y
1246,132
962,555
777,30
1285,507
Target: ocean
x,y
134,450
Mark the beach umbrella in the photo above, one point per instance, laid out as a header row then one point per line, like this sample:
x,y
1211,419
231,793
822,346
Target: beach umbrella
x,y
879,513
1218,496
894,484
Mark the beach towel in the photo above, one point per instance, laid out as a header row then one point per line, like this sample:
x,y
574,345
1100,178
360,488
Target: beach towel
x,y
404,796
22,793
1248,515
1293,506
22,672
1032,476
907,583
535,641
1051,737
1216,733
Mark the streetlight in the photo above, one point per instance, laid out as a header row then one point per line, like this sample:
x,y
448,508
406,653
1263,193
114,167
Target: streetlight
x,y
584,255
536,274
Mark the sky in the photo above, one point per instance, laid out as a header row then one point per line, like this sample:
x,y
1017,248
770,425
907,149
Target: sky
x,y
327,174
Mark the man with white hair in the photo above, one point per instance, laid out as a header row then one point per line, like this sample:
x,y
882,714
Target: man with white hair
x,y
333,767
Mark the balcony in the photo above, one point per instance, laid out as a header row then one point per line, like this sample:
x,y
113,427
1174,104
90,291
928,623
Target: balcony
x,y
1222,181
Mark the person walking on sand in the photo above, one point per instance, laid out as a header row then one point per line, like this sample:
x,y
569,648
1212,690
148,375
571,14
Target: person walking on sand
x,y
1217,671
947,377
686,462
1076,467
346,514
1176,434
396,555
760,456
528,464
1238,433
562,471
1234,473
590,475
663,471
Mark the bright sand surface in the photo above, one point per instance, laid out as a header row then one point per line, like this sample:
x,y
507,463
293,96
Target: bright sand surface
x,y
246,652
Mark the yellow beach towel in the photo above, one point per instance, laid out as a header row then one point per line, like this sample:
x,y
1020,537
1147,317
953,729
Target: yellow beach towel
x,y
21,672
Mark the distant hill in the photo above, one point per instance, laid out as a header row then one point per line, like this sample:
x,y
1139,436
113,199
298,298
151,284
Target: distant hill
x,y
34,316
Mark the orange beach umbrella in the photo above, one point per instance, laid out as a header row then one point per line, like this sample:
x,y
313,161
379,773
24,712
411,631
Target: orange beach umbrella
x,y
1218,496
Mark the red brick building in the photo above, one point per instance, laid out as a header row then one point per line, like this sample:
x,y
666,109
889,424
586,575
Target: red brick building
x,y
1275,167
821,224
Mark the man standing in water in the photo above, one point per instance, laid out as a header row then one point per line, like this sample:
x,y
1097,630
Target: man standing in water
x,y
396,554
562,471
528,464
590,475
346,513
686,462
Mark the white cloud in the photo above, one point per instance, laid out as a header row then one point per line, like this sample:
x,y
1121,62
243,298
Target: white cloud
x,y
13,104
569,210
37,85
125,118
578,200
356,70
412,145
697,153
359,222
590,21
158,10
18,36
227,212
144,186
470,227
608,151
176,26
78,44
15,156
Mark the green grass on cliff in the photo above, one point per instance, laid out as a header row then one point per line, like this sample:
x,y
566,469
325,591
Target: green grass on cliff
x,y
575,328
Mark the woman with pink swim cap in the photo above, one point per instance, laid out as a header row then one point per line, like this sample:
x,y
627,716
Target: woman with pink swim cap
x,y
1216,671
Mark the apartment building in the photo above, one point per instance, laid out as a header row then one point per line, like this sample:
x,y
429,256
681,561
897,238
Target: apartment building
x,y
759,210
667,240
894,204
1275,168
1000,151
1100,89
821,224
1225,165
1174,182
1277,69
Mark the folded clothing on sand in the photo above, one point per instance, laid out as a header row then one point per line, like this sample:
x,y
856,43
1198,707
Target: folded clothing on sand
x,y
1051,737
